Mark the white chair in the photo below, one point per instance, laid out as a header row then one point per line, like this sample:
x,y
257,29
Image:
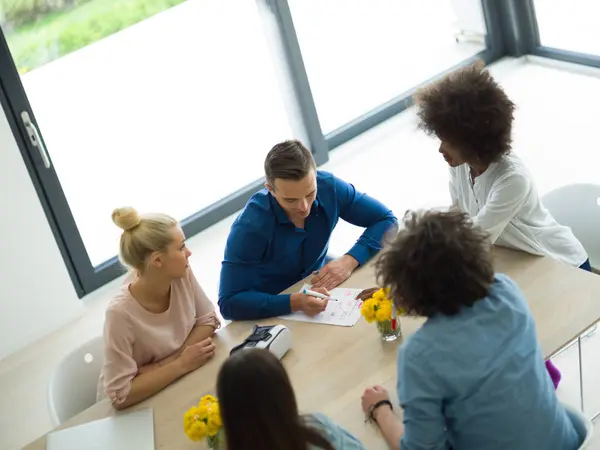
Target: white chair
x,y
578,206
74,381
583,425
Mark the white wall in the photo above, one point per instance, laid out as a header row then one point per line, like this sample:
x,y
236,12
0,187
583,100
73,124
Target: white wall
x,y
36,293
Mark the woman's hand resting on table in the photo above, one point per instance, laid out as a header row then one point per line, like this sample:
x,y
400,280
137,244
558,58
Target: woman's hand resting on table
x,y
196,355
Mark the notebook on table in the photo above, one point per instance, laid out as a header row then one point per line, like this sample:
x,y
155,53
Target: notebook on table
x,y
122,432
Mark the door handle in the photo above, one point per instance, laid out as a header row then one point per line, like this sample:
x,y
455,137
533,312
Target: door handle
x,y
34,138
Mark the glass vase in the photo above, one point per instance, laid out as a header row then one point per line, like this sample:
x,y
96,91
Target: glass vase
x,y
390,330
216,442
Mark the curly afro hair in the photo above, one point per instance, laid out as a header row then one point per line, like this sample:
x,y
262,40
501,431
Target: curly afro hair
x,y
469,110
438,263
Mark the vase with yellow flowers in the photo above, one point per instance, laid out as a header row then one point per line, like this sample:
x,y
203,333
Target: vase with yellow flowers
x,y
380,309
204,422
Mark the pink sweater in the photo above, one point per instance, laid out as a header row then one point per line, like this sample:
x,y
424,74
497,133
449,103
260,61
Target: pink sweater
x,y
135,337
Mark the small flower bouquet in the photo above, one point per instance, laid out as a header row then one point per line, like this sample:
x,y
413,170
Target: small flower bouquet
x,y
204,422
380,309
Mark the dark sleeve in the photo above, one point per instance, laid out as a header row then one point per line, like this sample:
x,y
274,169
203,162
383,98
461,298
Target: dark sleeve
x,y
240,297
364,211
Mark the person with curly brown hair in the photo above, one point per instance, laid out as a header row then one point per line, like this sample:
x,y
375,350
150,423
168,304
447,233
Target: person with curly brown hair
x,y
472,116
473,376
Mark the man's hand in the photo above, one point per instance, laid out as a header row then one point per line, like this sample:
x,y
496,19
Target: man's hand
x,y
309,305
334,273
371,396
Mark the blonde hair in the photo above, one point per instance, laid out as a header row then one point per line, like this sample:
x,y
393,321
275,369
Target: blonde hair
x,y
142,235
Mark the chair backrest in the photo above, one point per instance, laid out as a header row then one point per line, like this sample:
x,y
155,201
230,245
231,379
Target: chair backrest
x,y
74,382
583,425
578,206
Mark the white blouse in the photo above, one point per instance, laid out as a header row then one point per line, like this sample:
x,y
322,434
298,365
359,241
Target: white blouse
x,y
504,202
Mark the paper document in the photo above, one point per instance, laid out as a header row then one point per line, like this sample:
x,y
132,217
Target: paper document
x,y
344,312
121,432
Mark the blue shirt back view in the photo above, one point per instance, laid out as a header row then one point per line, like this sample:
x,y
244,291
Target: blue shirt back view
x,y
477,381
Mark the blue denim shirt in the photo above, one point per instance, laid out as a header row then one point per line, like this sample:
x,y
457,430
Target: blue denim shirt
x,y
337,436
477,381
266,253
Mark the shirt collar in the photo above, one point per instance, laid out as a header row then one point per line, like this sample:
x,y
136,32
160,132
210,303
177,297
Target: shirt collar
x,y
280,213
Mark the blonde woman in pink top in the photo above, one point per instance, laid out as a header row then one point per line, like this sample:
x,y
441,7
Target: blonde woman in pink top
x,y
160,325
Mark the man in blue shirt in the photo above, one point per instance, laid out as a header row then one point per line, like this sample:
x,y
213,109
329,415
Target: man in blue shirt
x,y
282,236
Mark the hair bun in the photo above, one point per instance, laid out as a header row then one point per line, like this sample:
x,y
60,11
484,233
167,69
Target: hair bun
x,y
126,218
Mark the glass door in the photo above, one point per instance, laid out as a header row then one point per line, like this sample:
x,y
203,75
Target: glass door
x,y
164,105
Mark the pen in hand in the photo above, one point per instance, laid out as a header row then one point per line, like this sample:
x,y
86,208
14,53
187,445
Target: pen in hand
x,y
318,295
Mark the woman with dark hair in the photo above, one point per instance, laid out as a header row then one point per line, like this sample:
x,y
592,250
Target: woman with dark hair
x,y
473,376
259,409
472,116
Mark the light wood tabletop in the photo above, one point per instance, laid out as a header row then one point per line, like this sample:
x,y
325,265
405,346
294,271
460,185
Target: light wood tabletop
x,y
330,366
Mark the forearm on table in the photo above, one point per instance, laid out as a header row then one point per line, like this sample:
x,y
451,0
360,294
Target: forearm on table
x,y
198,334
254,305
149,383
390,425
374,233
503,204
372,239
493,230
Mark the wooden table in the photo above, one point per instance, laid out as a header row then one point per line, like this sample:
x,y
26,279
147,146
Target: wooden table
x,y
330,366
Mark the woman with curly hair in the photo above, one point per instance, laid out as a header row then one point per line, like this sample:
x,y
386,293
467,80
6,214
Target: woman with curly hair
x,y
472,116
473,376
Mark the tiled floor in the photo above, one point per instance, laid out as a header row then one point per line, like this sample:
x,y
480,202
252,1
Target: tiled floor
x,y
558,111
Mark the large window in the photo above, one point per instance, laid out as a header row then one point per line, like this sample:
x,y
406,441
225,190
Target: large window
x,y
144,116
569,25
362,54
171,105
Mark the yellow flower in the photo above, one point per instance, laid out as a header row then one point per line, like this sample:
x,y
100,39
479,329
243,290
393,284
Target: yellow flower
x,y
215,410
379,295
212,428
202,409
368,309
203,420
189,417
208,399
217,420
384,312
198,431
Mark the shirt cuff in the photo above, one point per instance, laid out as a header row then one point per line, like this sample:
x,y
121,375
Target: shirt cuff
x,y
119,395
280,306
360,253
209,319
